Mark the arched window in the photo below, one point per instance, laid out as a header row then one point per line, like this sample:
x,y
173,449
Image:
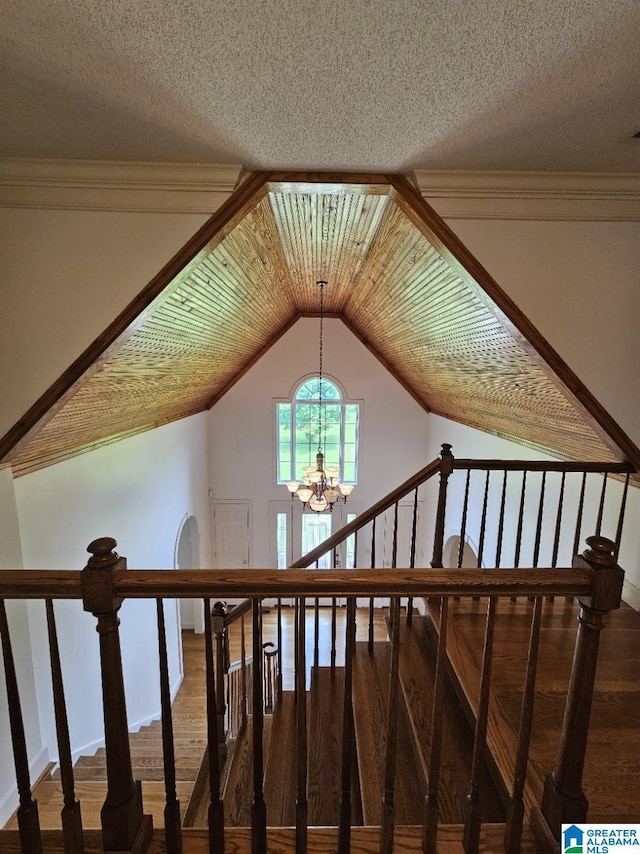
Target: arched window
x,y
299,422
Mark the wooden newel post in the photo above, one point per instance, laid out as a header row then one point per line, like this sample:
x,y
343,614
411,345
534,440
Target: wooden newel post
x,y
563,800
124,827
446,467
218,615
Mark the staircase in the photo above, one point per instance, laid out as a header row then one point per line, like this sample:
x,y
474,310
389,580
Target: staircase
x,y
325,721
371,779
90,774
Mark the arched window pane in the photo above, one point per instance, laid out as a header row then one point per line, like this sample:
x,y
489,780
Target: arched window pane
x,y
300,422
310,390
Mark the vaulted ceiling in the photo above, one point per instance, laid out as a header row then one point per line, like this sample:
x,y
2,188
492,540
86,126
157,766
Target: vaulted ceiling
x,y
399,279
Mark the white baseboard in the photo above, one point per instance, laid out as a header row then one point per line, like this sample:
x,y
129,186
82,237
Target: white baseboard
x,y
9,803
631,595
176,686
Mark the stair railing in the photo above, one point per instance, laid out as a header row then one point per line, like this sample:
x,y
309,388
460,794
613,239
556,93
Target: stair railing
x,y
104,584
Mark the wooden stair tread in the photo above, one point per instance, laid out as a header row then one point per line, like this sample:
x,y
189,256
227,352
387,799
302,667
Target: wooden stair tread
x,y
238,789
370,701
417,678
91,794
325,745
280,766
501,737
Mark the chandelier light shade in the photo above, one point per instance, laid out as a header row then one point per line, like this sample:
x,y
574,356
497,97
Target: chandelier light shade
x,y
320,488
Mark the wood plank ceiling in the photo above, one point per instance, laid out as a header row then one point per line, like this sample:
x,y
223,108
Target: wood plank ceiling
x,y
440,324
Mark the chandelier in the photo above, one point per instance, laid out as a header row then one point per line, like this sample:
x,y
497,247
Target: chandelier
x,y
320,488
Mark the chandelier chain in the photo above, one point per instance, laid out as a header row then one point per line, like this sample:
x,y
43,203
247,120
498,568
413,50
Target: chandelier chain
x,y
321,420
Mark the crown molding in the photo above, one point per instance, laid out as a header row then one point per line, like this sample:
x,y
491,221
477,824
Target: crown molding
x,y
198,188
601,197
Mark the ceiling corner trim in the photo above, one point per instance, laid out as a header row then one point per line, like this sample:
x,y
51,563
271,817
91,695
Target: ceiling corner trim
x,y
569,196
124,186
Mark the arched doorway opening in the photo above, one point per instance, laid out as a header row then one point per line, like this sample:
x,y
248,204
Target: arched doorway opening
x,y
187,556
451,554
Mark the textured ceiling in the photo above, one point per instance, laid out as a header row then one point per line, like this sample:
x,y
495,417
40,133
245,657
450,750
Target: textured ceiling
x,y
398,278
371,85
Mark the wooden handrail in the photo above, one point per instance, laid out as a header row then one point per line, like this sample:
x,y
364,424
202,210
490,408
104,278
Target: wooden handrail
x,y
237,611
262,583
140,584
40,584
542,465
368,515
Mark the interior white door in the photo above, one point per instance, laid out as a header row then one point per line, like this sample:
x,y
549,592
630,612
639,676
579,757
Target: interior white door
x,y
231,521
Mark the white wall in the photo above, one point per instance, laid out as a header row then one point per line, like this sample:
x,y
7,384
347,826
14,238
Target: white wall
x,y
393,435
470,443
138,492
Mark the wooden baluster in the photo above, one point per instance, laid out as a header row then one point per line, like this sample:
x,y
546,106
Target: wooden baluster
x,y
28,822
216,807
296,622
71,816
483,521
483,526
463,521
333,632
123,824
578,530
258,808
219,629
387,818
412,553
446,467
430,830
279,637
471,839
563,800
268,655
344,831
558,528
243,672
172,824
301,738
538,539
394,557
520,525
601,506
463,524
371,602
316,630
515,816
623,505
503,502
